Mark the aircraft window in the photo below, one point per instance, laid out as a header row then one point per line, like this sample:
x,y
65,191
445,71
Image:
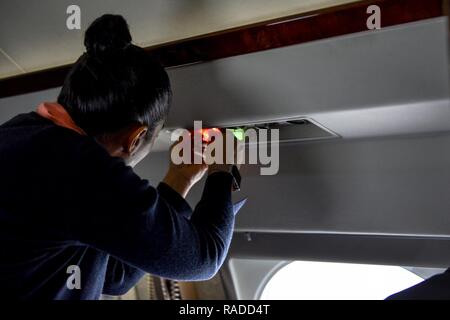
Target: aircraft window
x,y
303,280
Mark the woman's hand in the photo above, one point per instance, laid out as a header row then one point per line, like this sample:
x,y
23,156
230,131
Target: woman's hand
x,y
182,177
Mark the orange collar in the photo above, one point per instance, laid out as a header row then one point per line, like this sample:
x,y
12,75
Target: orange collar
x,y
56,113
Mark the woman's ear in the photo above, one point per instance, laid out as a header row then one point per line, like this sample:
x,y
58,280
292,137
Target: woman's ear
x,y
136,136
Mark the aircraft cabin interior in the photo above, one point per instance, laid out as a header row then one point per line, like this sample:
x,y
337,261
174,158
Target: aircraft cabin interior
x,y
355,199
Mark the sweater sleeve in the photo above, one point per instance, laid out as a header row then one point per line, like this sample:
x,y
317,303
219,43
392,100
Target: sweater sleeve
x,y
120,277
151,229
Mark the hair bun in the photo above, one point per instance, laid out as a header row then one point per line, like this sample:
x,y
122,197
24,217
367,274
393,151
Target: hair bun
x,y
109,33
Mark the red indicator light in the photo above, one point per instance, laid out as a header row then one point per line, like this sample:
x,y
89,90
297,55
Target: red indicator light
x,y
206,134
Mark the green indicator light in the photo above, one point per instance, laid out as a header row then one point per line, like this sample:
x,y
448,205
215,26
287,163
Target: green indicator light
x,y
238,133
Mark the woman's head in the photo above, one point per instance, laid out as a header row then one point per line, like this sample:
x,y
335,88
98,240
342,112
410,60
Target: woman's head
x,y
115,92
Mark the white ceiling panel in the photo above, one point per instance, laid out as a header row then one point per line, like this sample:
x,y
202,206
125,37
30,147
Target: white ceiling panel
x,y
403,67
7,67
34,32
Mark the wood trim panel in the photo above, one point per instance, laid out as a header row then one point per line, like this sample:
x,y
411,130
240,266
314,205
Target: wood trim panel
x,y
296,29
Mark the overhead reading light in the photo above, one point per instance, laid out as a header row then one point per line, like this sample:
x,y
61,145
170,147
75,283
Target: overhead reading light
x,y
290,130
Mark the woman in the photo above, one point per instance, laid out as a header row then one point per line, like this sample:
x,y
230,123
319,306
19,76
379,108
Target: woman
x,y
76,221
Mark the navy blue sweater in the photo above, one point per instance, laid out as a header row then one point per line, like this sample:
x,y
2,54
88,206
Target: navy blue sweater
x,y
64,201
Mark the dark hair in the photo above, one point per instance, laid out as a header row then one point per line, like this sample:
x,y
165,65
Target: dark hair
x,y
115,83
